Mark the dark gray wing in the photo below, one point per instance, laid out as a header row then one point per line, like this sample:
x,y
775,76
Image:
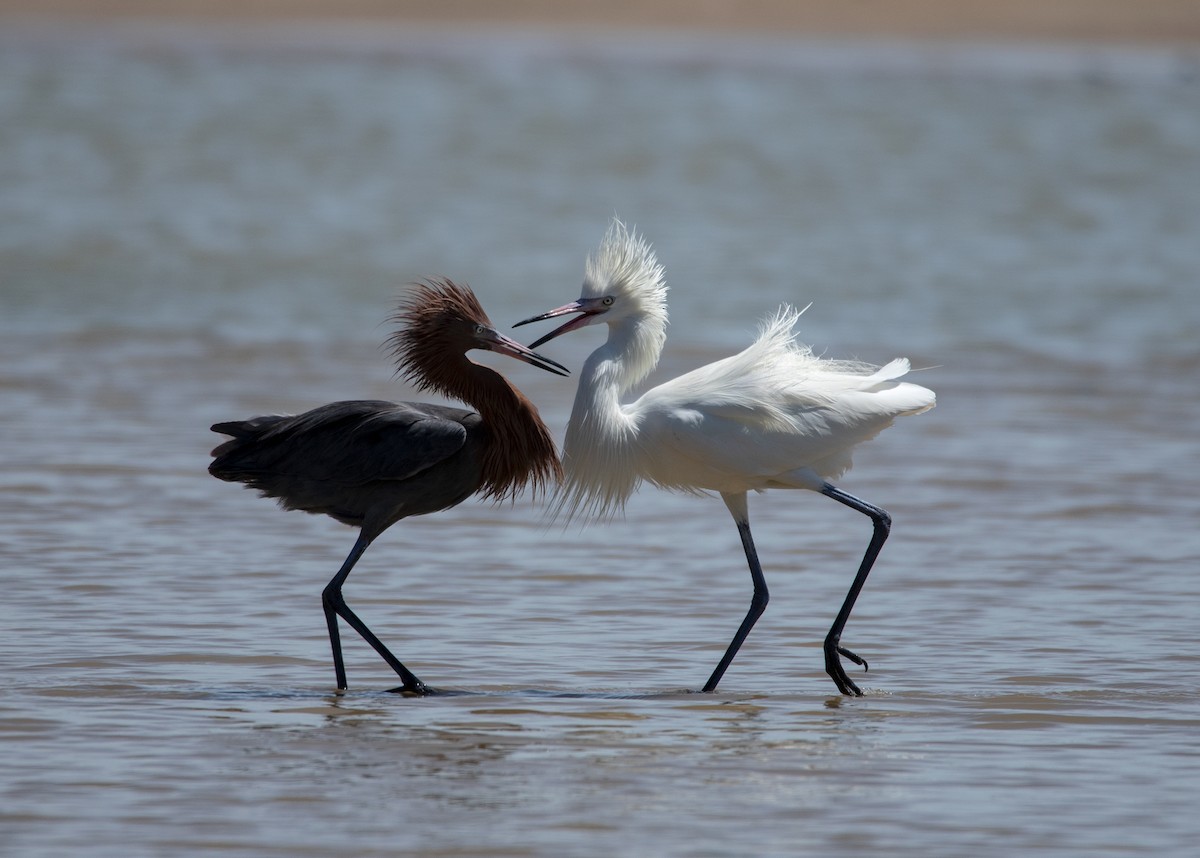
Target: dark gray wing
x,y
344,443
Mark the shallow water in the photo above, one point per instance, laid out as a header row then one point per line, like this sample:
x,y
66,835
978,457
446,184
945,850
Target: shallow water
x,y
200,227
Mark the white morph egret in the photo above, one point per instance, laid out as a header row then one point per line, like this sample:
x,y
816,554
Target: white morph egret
x,y
773,416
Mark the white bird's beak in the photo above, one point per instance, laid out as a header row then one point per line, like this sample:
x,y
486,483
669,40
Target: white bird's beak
x,y
590,309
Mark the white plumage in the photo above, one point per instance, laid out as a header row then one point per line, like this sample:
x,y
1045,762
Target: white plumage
x,y
772,416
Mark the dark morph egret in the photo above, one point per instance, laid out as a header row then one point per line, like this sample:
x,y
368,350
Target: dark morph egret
x,y
773,416
369,463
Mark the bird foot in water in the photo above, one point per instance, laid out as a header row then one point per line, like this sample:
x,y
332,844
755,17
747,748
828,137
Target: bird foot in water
x,y
833,666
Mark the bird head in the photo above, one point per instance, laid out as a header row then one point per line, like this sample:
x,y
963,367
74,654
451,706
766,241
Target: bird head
x,y
439,319
623,283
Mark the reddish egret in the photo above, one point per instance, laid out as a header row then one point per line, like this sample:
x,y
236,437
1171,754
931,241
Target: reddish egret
x,y
369,464
774,416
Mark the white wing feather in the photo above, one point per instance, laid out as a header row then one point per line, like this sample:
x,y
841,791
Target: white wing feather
x,y
750,419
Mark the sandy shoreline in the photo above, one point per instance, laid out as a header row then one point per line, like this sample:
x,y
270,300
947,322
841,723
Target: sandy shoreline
x,y
1147,22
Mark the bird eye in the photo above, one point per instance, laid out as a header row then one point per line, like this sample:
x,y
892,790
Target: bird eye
x,y
608,300
479,329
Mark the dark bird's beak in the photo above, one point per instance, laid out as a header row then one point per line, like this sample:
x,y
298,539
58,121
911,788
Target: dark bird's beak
x,y
588,308
497,342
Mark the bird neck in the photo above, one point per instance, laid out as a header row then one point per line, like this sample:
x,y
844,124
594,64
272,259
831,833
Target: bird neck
x,y
633,348
629,354
597,418
600,453
520,449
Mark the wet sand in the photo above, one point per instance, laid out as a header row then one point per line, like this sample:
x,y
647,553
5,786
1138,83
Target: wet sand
x,y
1124,21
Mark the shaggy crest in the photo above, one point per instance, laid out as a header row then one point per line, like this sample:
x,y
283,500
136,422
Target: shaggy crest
x,y
431,318
625,266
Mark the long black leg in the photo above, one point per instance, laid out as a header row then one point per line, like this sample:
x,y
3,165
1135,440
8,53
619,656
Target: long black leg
x,y
335,606
883,525
758,602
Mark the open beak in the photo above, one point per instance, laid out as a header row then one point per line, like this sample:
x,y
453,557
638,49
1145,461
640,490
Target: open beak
x,y
497,342
589,309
